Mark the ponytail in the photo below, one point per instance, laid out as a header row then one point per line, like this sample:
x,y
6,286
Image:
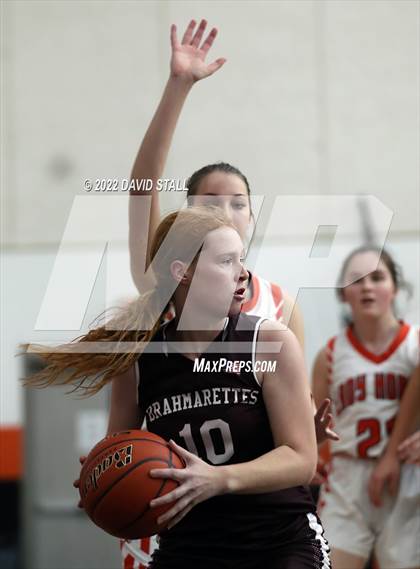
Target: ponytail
x,y
92,368
113,348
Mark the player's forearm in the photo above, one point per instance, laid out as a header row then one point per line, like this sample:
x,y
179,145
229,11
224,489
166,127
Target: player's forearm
x,y
149,165
408,414
276,470
124,419
124,412
151,157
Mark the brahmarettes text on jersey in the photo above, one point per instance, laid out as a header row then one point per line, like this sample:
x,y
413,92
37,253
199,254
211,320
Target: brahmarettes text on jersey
x,y
201,398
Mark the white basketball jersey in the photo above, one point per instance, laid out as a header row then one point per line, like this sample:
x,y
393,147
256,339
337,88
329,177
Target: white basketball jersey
x,y
266,301
366,389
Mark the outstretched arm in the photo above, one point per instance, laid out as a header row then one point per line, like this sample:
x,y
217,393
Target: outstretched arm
x,y
187,66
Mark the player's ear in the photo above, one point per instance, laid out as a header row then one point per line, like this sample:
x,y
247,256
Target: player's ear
x,y
179,272
341,294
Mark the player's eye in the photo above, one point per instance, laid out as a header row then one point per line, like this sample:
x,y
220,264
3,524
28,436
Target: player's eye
x,y
239,205
227,261
211,201
377,276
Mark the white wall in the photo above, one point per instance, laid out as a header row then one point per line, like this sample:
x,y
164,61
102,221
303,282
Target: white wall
x,y
316,98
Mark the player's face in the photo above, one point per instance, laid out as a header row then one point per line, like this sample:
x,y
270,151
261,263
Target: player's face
x,y
228,192
370,295
219,280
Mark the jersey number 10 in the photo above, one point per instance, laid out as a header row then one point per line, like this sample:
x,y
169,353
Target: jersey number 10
x,y
205,430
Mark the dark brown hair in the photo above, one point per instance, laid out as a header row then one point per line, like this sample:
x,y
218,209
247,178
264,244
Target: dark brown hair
x,y
194,180
385,257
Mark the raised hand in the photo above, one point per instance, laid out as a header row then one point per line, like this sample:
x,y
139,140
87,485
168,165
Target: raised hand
x,y
198,481
188,57
323,422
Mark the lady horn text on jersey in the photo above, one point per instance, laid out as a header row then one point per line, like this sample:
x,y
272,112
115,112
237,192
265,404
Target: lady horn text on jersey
x,y
201,365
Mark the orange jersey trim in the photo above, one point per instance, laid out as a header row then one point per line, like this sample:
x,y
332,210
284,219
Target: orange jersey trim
x,y
378,358
278,297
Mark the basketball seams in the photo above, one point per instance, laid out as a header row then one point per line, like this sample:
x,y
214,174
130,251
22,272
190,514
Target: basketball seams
x,y
123,475
158,493
101,498
128,441
146,510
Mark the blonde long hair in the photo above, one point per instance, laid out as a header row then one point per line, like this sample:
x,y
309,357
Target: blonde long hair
x,y
138,321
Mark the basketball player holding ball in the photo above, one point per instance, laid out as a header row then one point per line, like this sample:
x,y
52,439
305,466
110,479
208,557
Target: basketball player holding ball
x,y
218,184
370,502
242,498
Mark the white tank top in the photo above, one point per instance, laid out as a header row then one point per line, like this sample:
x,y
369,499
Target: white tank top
x,y
366,389
266,301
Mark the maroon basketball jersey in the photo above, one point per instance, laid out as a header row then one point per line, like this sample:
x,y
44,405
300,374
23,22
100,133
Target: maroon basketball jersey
x,y
213,406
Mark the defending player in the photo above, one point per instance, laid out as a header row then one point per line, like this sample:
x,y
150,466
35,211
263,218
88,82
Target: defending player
x,y
365,370
216,184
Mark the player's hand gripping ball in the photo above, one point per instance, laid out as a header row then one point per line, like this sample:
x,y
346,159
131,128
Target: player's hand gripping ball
x,y
115,486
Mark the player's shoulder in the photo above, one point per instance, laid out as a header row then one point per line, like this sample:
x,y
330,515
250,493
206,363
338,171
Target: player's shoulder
x,y
412,342
332,342
275,331
409,333
321,359
325,355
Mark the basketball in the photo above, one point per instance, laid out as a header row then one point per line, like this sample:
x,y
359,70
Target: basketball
x,y
115,486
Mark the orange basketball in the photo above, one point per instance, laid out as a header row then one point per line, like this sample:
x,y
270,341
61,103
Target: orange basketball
x,y
115,486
